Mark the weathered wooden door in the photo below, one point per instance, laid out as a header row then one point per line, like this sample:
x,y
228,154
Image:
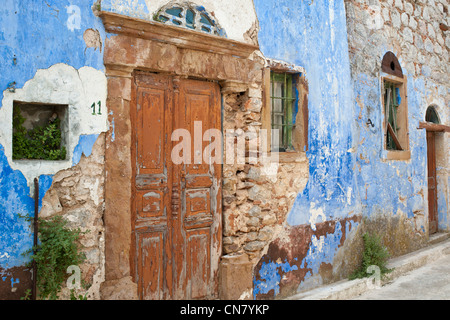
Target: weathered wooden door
x,y
432,192
176,220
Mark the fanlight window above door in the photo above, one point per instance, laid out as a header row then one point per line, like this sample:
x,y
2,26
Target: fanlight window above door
x,y
191,17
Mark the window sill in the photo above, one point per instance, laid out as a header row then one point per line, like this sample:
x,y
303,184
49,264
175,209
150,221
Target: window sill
x,y
397,155
291,157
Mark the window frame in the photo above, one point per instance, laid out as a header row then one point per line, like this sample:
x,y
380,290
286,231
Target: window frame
x,y
300,132
402,118
288,101
62,113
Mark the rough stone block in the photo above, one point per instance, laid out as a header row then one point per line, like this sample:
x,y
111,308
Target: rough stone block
x,y
236,280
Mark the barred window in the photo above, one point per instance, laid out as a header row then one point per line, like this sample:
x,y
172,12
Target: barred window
x,y
283,110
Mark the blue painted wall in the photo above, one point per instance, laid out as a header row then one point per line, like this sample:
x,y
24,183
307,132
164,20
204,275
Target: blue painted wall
x,y
383,183
312,34
348,173
34,35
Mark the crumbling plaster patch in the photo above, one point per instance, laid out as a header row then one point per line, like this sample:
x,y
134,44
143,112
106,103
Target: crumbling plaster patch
x,y
77,194
93,39
60,84
301,258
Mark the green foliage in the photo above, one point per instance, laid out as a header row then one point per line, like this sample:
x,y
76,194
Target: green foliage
x,y
27,295
40,143
58,248
73,296
374,254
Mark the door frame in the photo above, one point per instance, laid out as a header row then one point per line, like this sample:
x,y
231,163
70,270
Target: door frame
x,y
434,130
433,217
175,51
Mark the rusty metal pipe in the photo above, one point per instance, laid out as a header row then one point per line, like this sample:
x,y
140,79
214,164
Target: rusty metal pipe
x,y
35,241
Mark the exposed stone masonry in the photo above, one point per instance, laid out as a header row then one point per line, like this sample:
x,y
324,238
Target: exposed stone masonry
x,y
255,203
77,195
418,31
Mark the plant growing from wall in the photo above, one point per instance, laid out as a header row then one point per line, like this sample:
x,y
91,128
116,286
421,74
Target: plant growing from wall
x,y
374,254
40,143
58,248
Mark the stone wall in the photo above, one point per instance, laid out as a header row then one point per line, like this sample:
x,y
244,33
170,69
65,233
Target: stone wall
x,y
255,203
417,31
77,194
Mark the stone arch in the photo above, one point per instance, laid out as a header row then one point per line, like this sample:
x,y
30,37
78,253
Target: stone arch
x,y
391,65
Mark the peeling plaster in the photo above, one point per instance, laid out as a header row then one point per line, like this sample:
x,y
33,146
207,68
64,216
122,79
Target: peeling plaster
x,y
271,277
60,84
84,147
348,172
322,249
302,258
332,190
315,214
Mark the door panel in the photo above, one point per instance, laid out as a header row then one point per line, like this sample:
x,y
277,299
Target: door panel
x,y
150,204
150,264
151,124
176,208
199,110
151,223
199,266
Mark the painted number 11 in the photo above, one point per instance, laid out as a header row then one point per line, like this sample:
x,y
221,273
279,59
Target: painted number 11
x,y
99,108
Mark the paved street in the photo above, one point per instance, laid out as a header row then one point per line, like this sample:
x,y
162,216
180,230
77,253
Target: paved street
x,y
430,282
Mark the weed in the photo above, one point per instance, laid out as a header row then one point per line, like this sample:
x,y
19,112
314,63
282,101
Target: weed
x,y
375,254
58,248
40,143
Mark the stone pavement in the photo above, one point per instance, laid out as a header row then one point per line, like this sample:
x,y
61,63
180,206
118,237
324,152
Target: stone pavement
x,y
420,275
